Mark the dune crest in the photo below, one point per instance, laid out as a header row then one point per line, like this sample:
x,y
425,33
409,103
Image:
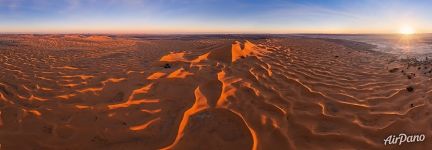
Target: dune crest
x,y
179,73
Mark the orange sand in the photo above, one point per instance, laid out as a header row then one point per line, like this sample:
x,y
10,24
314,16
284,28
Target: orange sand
x,y
98,92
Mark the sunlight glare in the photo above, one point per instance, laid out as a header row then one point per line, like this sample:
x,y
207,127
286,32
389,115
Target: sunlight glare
x,y
406,30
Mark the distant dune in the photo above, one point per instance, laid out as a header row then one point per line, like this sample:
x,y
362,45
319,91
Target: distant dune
x,y
98,92
98,38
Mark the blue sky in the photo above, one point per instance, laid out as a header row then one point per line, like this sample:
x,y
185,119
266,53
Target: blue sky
x,y
214,16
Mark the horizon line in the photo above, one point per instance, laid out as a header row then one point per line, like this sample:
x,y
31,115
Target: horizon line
x,y
196,33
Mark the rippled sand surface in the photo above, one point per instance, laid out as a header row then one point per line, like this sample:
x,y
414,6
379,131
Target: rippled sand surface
x,y
100,92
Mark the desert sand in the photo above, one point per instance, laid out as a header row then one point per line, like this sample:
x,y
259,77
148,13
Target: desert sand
x,y
120,92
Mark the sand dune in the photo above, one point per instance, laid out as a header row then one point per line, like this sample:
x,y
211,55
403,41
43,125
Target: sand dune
x,y
98,92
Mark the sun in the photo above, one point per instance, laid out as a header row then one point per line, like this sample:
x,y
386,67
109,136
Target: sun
x,y
406,30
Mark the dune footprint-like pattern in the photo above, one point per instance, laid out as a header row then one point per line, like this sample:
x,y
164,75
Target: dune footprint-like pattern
x,y
101,92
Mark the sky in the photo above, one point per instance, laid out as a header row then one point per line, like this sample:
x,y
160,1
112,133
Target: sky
x,y
214,16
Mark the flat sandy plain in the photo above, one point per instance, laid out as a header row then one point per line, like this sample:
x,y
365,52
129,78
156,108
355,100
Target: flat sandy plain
x,y
207,92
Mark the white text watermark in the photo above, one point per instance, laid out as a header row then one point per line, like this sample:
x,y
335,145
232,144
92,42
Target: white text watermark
x,y
404,138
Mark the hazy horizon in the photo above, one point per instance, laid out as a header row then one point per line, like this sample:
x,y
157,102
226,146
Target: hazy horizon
x,y
196,33
213,17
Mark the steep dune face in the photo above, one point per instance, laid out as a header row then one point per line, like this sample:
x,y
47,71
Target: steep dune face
x,y
242,50
205,94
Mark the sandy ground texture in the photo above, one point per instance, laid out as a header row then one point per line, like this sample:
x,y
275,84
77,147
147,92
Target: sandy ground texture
x,y
102,92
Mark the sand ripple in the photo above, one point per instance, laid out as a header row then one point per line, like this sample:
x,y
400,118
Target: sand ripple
x,y
100,92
